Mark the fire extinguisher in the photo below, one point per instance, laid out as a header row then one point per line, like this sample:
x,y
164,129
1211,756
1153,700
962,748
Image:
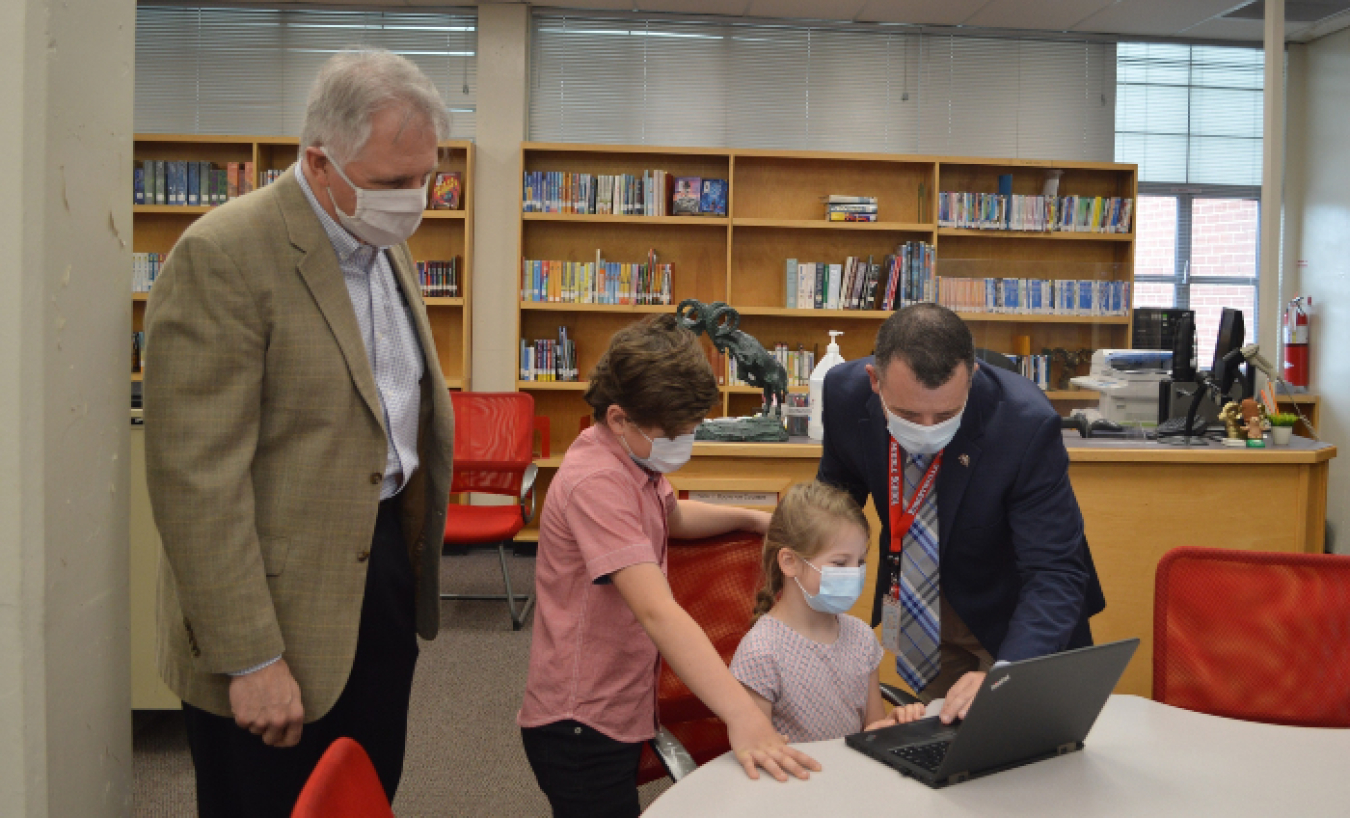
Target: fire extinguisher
x,y
1296,343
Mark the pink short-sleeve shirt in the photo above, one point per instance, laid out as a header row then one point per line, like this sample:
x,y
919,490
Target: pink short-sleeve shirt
x,y
590,659
818,691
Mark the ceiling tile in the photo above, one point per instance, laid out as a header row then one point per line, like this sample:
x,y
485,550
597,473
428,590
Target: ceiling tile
x,y
919,12
1160,18
806,9
1042,15
731,8
1223,28
588,5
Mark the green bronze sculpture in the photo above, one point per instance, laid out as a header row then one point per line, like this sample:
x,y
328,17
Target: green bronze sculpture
x,y
754,364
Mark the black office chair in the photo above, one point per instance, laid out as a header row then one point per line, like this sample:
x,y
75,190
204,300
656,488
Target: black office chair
x,y
993,358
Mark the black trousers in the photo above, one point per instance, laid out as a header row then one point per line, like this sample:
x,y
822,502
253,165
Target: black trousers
x,y
584,773
240,777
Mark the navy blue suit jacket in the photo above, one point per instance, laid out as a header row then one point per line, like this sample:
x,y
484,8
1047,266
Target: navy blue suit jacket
x,y
1013,559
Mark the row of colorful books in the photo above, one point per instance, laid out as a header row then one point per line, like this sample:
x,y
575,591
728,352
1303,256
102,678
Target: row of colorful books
x,y
799,363
270,176
1030,296
1041,214
904,277
548,359
191,183
1035,368
653,193
597,282
851,208
144,270
439,279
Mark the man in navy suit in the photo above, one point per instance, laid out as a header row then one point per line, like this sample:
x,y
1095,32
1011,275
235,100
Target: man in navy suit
x,y
966,464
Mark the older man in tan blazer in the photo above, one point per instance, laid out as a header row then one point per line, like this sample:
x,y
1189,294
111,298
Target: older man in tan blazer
x,y
299,441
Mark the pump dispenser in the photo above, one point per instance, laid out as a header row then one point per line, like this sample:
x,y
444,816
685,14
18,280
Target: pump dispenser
x,y
815,429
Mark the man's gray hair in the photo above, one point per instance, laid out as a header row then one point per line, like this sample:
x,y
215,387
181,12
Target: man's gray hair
x,y
356,84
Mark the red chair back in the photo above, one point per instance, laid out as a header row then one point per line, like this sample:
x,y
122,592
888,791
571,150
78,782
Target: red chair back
x,y
715,581
343,785
494,434
1254,635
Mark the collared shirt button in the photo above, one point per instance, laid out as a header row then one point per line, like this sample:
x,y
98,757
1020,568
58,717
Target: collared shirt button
x,y
376,478
362,556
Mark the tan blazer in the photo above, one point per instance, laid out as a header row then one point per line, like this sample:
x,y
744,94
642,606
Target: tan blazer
x,y
265,449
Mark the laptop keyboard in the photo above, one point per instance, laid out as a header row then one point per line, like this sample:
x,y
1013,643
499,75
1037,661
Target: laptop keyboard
x,y
926,756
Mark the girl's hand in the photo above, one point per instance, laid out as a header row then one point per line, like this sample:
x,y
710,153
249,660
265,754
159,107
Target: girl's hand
x,y
900,715
757,744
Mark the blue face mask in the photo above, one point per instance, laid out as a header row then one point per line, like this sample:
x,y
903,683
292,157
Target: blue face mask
x,y
839,588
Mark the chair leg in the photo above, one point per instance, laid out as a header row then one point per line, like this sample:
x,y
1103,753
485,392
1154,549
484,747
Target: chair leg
x,y
517,619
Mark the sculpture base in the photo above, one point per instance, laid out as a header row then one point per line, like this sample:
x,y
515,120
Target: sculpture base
x,y
758,429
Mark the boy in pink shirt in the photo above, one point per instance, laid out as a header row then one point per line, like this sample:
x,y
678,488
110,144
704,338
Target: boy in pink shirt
x,y
605,616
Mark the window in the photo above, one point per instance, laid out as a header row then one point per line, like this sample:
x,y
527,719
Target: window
x,y
632,80
1191,117
224,71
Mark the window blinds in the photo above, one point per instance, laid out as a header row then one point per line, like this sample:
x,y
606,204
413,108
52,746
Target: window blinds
x,y
1190,114
227,71
628,80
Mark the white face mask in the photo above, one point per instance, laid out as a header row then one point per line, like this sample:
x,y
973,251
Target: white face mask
x,y
916,439
668,453
383,217
839,588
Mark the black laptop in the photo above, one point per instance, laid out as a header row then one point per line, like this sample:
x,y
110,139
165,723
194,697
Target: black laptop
x,y
1025,712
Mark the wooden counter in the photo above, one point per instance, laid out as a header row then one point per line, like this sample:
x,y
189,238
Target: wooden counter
x,y
1139,500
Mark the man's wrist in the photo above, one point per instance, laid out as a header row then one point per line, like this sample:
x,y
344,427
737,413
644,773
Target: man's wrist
x,y
246,671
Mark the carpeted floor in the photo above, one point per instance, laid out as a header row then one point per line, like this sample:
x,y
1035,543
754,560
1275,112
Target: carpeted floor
x,y
464,754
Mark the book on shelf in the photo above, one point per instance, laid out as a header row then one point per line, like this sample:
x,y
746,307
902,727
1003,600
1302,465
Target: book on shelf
x,y
445,193
1035,368
138,352
190,182
904,277
439,279
270,176
623,194
713,198
1023,296
144,270
549,359
598,282
685,201
1039,214
798,362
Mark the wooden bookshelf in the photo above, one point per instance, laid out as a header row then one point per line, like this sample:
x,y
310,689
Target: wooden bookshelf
x,y
776,212
442,235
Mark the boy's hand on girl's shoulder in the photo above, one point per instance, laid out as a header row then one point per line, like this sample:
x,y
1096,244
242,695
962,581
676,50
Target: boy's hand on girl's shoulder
x,y
904,714
758,521
756,744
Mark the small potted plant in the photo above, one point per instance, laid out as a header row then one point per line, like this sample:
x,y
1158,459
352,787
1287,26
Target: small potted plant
x,y
1282,427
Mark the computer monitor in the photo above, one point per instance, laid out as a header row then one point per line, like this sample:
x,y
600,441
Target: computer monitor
x,y
1183,347
1231,336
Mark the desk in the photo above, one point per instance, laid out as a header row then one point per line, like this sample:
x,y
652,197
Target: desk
x,y
1141,759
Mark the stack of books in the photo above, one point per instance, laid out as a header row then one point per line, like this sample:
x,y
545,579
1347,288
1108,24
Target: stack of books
x,y
191,183
851,208
144,270
549,360
905,277
598,282
1040,214
439,279
1029,296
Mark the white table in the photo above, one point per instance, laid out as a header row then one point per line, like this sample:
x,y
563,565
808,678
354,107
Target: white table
x,y
1141,759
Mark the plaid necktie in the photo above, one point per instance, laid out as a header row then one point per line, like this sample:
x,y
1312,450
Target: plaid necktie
x,y
919,658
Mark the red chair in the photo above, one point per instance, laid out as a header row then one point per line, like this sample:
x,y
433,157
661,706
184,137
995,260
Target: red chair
x,y
494,434
343,785
1254,635
715,581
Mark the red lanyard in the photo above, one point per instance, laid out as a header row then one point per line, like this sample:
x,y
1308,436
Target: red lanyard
x,y
902,517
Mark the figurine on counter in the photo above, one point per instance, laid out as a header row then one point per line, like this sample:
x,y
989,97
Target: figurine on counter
x,y
1255,423
755,365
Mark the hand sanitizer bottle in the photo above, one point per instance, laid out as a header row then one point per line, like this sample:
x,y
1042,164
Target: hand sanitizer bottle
x,y
815,429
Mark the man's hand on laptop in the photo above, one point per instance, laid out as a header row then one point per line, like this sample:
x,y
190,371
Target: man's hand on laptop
x,y
960,697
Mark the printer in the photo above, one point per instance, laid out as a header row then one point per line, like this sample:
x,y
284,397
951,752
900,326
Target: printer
x,y
1128,380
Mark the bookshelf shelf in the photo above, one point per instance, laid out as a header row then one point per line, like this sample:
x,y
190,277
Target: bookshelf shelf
x,y
962,232
607,218
776,212
821,224
443,234
552,386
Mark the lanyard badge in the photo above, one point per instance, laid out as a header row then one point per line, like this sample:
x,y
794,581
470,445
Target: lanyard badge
x,y
902,514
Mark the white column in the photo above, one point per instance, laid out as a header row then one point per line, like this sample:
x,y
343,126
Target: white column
x,y
1272,181
503,57
66,89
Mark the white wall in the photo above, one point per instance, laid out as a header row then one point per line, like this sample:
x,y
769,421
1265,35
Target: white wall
x,y
1318,240
66,73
